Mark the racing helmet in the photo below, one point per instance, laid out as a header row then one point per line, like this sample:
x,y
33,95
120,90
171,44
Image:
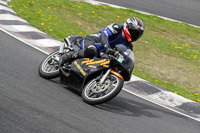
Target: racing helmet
x,y
133,29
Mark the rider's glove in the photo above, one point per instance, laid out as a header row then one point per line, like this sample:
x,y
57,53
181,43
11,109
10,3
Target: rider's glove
x,y
110,51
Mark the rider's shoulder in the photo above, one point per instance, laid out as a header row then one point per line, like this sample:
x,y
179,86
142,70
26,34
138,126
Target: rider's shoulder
x,y
115,26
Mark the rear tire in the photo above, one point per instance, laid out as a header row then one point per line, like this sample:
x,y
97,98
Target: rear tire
x,y
49,67
93,95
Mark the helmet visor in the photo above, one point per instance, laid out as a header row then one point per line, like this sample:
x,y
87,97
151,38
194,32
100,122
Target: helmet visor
x,y
135,35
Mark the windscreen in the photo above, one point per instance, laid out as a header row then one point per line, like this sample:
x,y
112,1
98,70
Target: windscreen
x,y
128,61
125,50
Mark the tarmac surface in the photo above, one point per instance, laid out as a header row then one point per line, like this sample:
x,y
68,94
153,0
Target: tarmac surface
x,y
183,10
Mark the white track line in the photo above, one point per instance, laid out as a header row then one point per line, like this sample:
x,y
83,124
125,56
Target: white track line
x,y
46,42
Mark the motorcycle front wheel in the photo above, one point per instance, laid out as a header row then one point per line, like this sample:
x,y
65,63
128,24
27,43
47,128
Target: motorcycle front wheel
x,y
49,67
93,93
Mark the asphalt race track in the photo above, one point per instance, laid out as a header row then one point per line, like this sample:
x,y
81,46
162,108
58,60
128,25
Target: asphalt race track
x,y
182,10
29,103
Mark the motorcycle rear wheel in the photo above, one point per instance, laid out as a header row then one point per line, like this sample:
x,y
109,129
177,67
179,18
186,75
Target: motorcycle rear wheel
x,y
95,94
49,67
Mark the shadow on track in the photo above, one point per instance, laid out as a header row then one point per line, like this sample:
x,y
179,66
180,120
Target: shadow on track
x,y
125,106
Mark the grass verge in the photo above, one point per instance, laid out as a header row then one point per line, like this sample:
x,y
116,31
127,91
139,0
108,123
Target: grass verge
x,y
167,54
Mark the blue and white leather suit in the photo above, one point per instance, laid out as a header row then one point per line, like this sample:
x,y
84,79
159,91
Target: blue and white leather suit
x,y
109,36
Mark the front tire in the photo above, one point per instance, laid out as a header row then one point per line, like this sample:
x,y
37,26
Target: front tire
x,y
49,67
94,94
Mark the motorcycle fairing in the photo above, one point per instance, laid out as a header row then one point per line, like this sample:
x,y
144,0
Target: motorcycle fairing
x,y
71,79
86,66
82,70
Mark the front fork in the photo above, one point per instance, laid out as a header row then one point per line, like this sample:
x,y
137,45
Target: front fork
x,y
107,73
104,77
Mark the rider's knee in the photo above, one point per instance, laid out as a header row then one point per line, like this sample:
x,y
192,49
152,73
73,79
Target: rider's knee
x,y
91,51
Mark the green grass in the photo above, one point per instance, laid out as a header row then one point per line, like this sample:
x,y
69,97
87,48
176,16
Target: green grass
x,y
166,55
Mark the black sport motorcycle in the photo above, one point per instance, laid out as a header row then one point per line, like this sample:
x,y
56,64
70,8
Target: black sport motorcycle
x,y
98,79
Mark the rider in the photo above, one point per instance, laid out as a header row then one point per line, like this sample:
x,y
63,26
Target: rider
x,y
107,38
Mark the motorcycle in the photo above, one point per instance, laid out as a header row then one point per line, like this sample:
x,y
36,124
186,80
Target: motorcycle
x,y
98,79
